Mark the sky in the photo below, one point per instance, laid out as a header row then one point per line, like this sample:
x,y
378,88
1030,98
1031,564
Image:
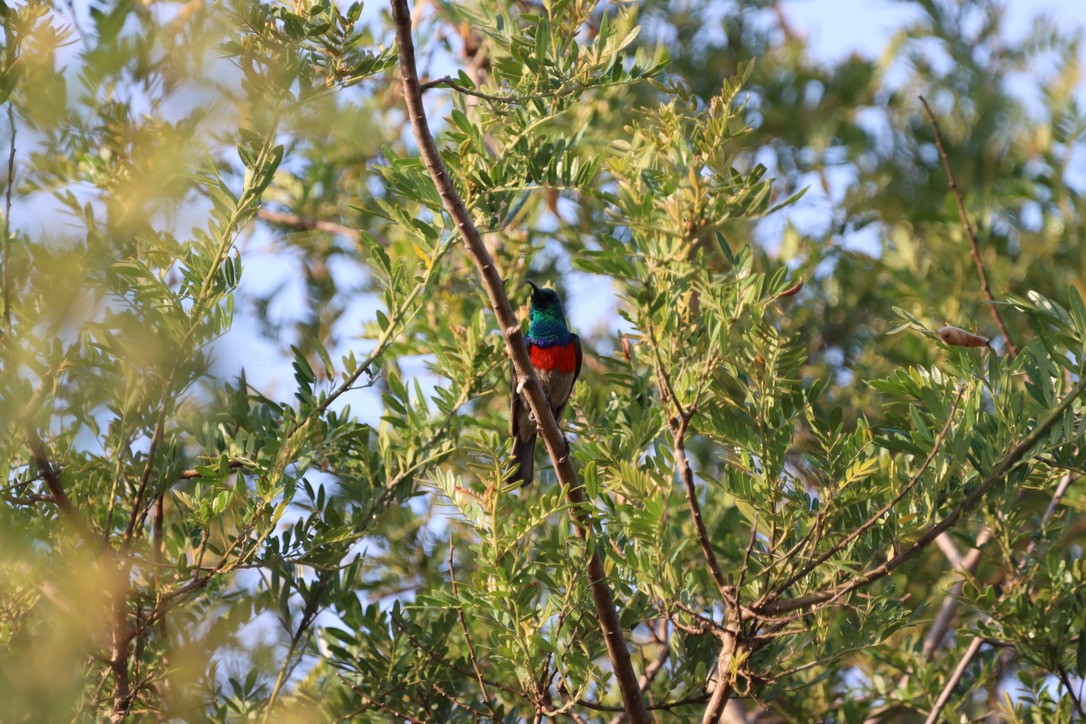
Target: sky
x,y
868,24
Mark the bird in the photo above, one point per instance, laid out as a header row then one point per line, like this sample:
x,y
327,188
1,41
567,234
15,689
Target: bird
x,y
555,353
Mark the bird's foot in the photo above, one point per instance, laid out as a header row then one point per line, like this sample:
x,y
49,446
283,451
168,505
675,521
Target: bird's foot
x,y
566,456
520,385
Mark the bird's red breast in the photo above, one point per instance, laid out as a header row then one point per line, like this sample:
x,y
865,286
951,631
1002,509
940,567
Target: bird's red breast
x,y
561,358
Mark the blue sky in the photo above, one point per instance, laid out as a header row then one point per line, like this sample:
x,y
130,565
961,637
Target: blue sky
x,y
835,28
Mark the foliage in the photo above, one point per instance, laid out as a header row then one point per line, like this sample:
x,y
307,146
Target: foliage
x,y
784,480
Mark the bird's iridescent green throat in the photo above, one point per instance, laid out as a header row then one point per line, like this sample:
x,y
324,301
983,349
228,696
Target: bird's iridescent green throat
x,y
546,319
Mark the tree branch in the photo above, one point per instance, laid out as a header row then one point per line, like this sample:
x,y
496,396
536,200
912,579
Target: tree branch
x,y
974,250
467,637
955,677
383,707
819,560
7,222
654,667
307,223
944,697
996,474
56,488
729,648
451,82
518,353
965,566
678,433
968,565
1066,681
121,648
145,478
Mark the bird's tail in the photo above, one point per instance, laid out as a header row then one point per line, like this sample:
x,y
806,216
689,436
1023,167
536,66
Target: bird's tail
x,y
524,458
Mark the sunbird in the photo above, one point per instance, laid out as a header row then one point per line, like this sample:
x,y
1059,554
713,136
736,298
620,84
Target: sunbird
x,y
555,353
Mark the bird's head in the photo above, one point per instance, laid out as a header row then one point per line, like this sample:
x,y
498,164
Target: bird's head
x,y
545,302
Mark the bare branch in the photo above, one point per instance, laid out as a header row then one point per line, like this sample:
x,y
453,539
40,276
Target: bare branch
x,y
451,83
955,677
942,622
974,250
518,353
7,221
966,566
307,223
678,433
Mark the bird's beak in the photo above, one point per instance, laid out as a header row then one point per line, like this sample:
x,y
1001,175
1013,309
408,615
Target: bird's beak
x,y
536,291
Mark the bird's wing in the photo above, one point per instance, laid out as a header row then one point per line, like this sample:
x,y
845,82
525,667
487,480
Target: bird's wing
x,y
517,402
580,357
559,408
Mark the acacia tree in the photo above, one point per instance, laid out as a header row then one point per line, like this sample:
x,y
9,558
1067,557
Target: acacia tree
x,y
772,509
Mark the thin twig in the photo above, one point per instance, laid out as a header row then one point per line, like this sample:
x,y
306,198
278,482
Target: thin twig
x,y
603,599
451,82
974,250
467,636
664,706
7,222
873,519
965,566
994,476
1075,700
380,705
682,461
307,223
955,677
1053,504
512,97
145,477
457,702
309,614
395,319
745,567
729,634
445,663
192,473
